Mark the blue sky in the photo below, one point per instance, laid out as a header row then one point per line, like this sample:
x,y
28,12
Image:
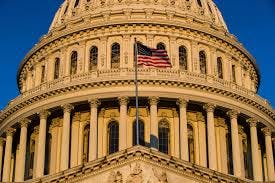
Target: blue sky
x,y
24,22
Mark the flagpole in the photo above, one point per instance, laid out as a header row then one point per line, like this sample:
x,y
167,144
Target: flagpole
x,y
136,90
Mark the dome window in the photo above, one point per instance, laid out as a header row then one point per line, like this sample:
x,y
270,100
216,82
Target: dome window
x,y
76,3
140,134
115,56
164,133
182,58
234,73
56,68
161,46
199,3
113,130
73,63
93,58
220,67
202,56
191,145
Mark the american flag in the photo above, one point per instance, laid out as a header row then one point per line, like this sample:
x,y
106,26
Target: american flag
x,y
152,57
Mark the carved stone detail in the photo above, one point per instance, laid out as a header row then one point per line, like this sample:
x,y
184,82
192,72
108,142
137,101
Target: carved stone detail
x,y
94,102
135,175
115,177
44,114
209,107
68,108
182,102
232,114
252,122
266,131
160,175
10,131
153,100
123,100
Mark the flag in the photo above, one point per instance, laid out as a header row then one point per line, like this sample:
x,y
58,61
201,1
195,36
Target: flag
x,y
152,57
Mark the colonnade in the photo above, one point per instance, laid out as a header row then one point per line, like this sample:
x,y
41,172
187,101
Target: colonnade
x,y
63,140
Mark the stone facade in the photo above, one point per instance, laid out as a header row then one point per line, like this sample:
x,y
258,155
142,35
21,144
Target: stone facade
x,y
200,120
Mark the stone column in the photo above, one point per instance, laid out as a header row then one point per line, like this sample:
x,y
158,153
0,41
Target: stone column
x,y
41,143
93,145
269,154
183,130
20,163
235,143
8,154
154,122
65,146
257,167
2,140
212,155
123,123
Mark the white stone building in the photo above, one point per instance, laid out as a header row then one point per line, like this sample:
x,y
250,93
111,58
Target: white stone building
x,y
200,121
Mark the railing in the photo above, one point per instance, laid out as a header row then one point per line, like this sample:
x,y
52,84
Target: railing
x,y
143,73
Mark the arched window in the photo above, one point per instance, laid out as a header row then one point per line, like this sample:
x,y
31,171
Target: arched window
x,y
141,133
219,67
86,143
115,55
164,134
182,58
161,46
199,3
93,58
113,130
202,62
76,3
56,68
74,63
191,144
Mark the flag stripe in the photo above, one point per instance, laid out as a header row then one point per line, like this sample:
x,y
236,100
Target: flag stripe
x,y
152,57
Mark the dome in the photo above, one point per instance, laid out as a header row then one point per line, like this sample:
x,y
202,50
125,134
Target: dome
x,y
77,118
200,11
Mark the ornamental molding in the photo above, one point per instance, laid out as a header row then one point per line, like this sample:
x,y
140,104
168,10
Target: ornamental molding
x,y
59,41
31,97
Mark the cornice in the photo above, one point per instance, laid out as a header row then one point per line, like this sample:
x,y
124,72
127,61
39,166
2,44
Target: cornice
x,y
79,83
52,40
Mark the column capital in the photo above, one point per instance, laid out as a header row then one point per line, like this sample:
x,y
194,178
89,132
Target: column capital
x,y
67,107
25,123
44,114
252,122
94,102
232,114
266,131
2,141
123,100
10,131
209,107
154,100
182,102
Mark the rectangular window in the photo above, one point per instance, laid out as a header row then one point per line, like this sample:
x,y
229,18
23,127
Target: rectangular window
x,y
43,74
234,73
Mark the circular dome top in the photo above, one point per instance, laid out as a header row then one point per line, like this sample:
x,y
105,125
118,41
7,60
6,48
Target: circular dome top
x,y
201,11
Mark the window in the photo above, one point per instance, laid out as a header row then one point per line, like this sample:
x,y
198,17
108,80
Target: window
x,y
115,55
141,133
164,132
161,46
209,7
191,146
202,62
199,3
234,73
113,130
93,58
43,69
56,68
219,67
85,157
73,63
182,58
76,3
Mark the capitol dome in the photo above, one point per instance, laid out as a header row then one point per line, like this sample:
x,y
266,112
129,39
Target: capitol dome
x,y
200,120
